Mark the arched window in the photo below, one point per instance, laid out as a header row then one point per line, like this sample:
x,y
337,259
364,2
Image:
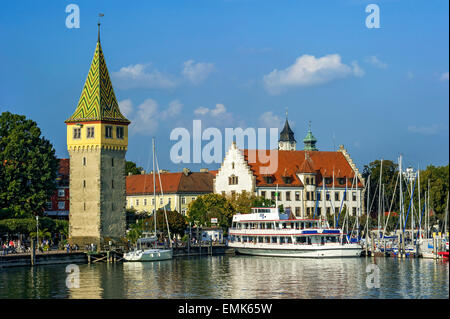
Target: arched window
x,y
307,181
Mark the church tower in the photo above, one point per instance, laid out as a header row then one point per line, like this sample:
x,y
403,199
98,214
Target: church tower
x,y
97,140
287,141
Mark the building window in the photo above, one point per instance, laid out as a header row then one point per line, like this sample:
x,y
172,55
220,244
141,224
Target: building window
x,y
307,196
61,205
183,200
272,195
328,180
328,210
183,212
319,211
193,198
354,196
108,131
307,181
232,180
90,132
263,194
297,211
279,195
288,196
232,165
153,201
119,132
61,193
308,210
112,183
145,201
336,196
297,196
84,206
112,162
319,196
336,210
84,183
77,133
354,211
341,181
49,205
137,202
328,196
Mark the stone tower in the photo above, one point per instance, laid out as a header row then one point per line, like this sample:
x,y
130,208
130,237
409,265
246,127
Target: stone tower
x,y
97,140
287,141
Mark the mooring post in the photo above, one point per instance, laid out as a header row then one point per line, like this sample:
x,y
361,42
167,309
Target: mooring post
x,y
32,253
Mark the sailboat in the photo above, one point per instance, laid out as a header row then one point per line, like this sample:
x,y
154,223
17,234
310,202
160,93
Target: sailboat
x,y
152,254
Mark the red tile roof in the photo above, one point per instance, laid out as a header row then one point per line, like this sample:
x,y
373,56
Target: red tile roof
x,y
143,184
292,162
194,182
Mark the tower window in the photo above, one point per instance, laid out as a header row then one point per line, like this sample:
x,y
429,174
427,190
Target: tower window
x,y
76,133
112,162
119,132
232,165
112,183
232,180
84,161
108,131
84,183
90,132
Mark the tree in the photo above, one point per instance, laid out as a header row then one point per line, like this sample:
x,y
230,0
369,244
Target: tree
x,y
28,166
205,207
177,223
130,167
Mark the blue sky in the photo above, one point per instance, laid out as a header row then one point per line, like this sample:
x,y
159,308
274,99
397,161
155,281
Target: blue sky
x,y
241,63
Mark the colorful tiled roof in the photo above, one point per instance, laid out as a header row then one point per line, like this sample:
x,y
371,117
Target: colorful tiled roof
x,y
98,101
292,162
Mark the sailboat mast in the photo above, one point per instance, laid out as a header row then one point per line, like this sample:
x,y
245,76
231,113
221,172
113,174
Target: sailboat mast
x,y
420,220
154,183
379,200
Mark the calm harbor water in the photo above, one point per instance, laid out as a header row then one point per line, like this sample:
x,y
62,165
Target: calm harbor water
x,y
223,277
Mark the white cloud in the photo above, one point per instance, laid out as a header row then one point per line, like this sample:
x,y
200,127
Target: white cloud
x,y
426,129
141,76
197,72
268,120
218,110
444,76
126,107
309,70
376,62
147,117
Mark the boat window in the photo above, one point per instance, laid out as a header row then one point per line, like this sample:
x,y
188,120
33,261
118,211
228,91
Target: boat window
x,y
274,240
260,239
301,239
282,241
289,240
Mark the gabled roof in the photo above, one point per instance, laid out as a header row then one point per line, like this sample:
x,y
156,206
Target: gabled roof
x,y
293,162
98,101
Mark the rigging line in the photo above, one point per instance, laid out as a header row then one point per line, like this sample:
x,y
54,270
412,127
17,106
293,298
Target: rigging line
x,y
390,207
162,194
410,202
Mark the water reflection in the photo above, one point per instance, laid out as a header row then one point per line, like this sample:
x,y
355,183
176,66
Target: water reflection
x,y
223,277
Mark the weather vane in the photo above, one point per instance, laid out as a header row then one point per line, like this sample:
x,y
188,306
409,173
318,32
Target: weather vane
x,y
99,16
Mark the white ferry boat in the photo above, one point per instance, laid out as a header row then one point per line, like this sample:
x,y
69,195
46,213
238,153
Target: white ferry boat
x,y
267,232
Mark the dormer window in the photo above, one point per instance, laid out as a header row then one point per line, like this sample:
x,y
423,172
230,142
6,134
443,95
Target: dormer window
x,y
287,179
328,180
307,181
341,181
268,179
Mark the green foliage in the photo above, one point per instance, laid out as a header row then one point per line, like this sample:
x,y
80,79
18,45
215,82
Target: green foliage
x,y
42,234
177,223
28,166
130,167
135,232
205,207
